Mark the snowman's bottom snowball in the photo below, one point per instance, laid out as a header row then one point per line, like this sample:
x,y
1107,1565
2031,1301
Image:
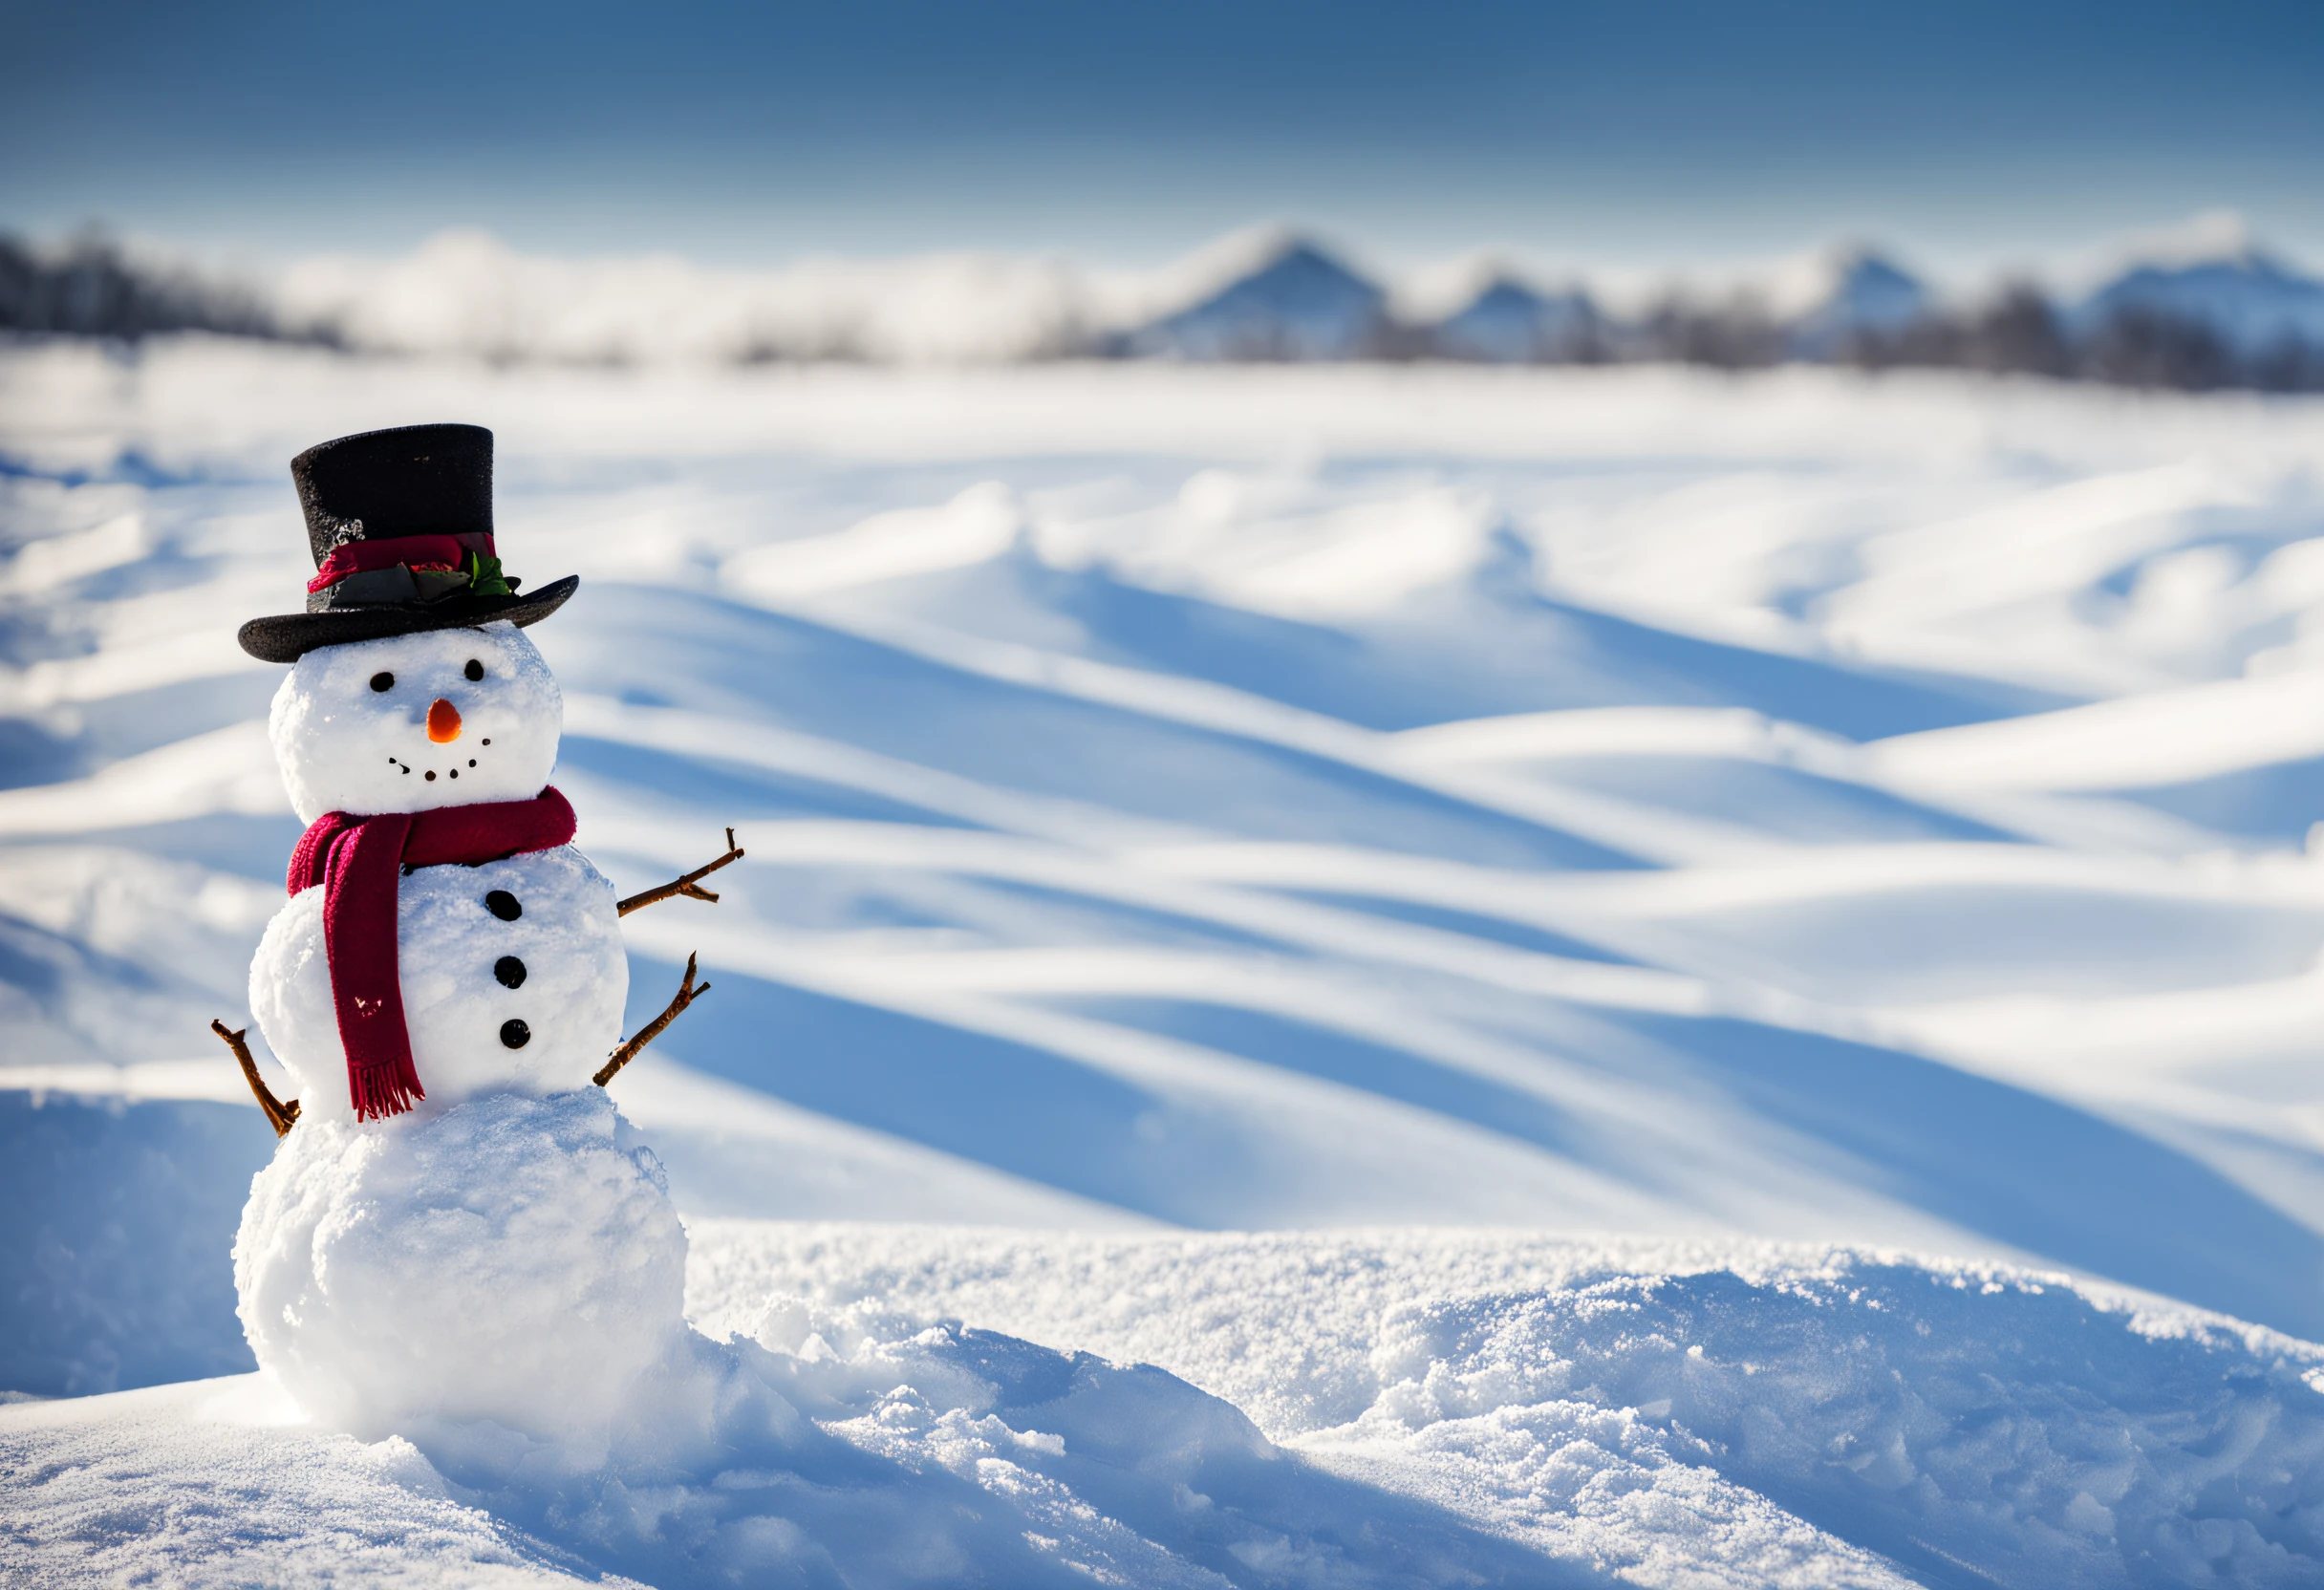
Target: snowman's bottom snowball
x,y
508,1259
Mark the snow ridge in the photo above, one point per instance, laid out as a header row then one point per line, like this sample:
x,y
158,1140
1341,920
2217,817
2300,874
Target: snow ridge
x,y
1592,1414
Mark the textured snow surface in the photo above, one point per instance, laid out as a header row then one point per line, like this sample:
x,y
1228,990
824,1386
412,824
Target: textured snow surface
x,y
1675,1413
205,1483
1417,1408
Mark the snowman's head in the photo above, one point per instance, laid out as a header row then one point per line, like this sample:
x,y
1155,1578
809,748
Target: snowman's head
x,y
446,718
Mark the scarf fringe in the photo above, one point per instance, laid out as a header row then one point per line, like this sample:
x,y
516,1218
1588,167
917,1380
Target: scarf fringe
x,y
379,1091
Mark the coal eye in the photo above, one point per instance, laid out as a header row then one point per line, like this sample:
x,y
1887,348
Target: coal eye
x,y
383,681
475,670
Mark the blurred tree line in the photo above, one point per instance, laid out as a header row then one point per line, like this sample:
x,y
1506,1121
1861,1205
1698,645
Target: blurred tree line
x,y
89,288
2020,330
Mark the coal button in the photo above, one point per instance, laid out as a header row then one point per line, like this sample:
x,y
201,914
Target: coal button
x,y
511,970
515,1034
503,905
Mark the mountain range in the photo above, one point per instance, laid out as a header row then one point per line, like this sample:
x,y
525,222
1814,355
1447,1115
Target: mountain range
x,y
2243,320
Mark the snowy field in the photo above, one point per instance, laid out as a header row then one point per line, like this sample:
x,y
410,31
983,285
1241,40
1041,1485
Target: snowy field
x,y
1600,868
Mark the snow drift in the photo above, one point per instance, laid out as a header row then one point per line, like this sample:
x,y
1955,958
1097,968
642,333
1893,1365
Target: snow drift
x,y
1454,1408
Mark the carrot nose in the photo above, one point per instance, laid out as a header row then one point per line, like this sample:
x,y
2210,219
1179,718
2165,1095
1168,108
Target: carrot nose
x,y
444,722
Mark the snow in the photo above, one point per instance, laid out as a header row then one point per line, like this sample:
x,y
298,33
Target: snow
x,y
1439,1407
507,1260
207,1483
1805,809
115,1257
1634,1403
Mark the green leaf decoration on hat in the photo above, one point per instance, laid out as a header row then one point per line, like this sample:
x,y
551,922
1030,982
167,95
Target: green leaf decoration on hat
x,y
485,576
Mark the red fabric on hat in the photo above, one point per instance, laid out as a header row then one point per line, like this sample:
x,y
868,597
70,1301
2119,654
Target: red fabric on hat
x,y
412,551
359,862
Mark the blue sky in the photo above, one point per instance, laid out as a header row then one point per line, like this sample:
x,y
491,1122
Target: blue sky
x,y
1965,132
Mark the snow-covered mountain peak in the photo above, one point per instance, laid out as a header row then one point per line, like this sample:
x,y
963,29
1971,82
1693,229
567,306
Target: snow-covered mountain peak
x,y
1508,322
1874,288
1860,290
2250,299
1301,303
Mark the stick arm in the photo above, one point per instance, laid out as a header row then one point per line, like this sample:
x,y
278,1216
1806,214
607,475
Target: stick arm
x,y
282,1115
688,991
690,885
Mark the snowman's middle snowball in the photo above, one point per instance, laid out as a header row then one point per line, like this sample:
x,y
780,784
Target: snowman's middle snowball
x,y
451,937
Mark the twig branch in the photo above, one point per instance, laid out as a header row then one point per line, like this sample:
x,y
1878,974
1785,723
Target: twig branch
x,y
687,994
282,1116
689,886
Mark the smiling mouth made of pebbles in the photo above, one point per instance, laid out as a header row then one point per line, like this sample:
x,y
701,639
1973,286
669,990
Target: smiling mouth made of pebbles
x,y
444,728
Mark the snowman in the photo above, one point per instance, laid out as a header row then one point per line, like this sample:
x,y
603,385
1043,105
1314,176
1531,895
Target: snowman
x,y
458,1229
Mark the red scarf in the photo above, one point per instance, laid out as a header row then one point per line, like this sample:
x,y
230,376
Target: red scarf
x,y
358,861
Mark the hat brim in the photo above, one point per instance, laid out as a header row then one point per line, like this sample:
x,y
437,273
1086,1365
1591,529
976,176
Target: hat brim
x,y
288,636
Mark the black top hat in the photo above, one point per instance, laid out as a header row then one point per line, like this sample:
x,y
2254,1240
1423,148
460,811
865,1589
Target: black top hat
x,y
400,526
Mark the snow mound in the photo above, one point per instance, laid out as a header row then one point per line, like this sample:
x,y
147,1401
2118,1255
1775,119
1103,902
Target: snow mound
x,y
946,1455
500,1285
202,1484
1739,1414
1412,1407
1939,1419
